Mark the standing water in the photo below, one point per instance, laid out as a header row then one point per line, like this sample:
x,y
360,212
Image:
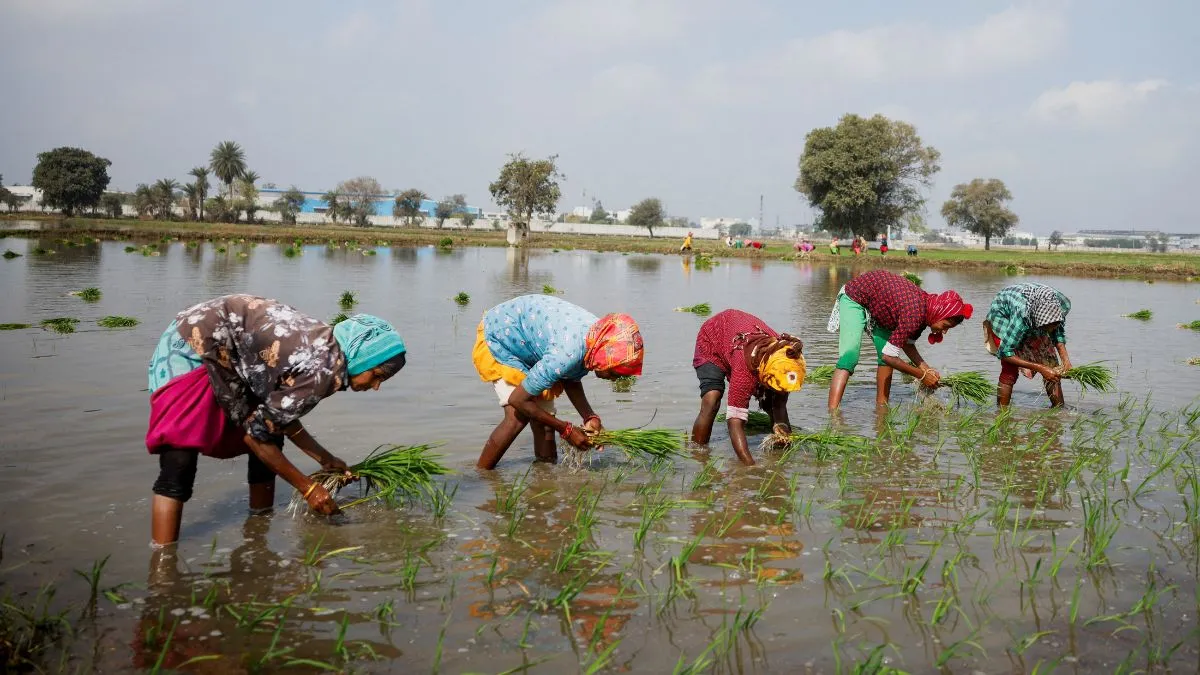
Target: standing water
x,y
959,540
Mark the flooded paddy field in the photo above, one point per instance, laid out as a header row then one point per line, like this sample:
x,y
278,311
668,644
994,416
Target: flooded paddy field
x,y
955,540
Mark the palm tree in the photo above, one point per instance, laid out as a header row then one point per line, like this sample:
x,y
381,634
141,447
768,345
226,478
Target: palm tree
x,y
164,196
333,204
200,173
228,162
191,193
143,200
248,194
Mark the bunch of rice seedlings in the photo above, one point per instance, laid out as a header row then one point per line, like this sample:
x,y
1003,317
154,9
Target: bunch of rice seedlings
x,y
369,251
446,242
913,278
820,375
131,249
623,384
1194,361
338,318
971,385
757,422
647,444
9,254
62,324
1013,270
1091,376
548,289
347,300
390,471
42,251
703,309
703,261
291,251
13,326
118,322
1141,315
824,444
462,298
1195,325
89,294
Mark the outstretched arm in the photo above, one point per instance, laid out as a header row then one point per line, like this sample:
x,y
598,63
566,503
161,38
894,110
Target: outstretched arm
x,y
313,448
737,436
318,497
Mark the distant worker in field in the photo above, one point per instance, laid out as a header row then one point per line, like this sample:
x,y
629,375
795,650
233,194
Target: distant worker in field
x,y
729,241
833,247
898,311
883,244
234,375
856,246
1025,328
912,250
534,348
741,349
687,243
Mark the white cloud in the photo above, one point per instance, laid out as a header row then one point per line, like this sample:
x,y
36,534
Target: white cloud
x,y
1094,104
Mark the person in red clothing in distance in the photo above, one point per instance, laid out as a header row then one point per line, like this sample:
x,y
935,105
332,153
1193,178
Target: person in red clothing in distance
x,y
757,362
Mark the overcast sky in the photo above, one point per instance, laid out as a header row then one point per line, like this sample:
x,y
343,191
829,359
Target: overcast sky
x,y
1089,111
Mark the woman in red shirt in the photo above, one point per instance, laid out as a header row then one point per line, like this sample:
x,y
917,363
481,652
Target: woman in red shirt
x,y
756,361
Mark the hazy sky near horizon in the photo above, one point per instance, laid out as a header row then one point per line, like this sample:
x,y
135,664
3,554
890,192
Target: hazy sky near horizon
x,y
1089,111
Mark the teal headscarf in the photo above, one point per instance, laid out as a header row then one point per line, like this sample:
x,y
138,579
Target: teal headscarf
x,y
367,341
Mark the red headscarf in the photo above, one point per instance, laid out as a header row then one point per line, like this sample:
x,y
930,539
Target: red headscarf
x,y
944,306
614,343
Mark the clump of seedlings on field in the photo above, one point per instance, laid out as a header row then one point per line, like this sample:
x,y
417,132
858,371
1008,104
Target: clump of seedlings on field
x,y
61,324
347,300
9,254
623,384
1195,325
89,294
701,309
118,322
549,290
463,299
1141,315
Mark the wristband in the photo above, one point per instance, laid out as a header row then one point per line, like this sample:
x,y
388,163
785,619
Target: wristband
x,y
589,418
567,430
310,489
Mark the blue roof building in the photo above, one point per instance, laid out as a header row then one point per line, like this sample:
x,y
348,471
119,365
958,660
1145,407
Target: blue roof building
x,y
383,203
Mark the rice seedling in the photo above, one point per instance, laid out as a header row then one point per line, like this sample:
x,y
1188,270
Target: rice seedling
x,y
289,252
1194,361
440,499
389,471
642,443
42,251
1013,270
916,279
62,324
548,289
462,298
825,444
652,512
703,261
9,254
757,422
701,309
370,251
13,326
1195,325
131,249
446,242
1141,315
347,300
92,577
1092,376
623,384
338,318
118,322
820,375
89,294
971,385
220,249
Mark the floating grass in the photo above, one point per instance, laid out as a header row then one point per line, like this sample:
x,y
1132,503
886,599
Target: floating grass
x,y
548,289
42,251
623,384
1195,325
118,322
462,298
89,294
131,249
292,251
1092,376
1141,315
446,242
369,251
916,279
62,324
1194,361
757,422
971,385
704,261
390,471
13,326
703,309
9,254
347,300
338,318
642,443
820,375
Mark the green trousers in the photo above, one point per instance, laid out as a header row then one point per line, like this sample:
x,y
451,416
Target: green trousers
x,y
853,318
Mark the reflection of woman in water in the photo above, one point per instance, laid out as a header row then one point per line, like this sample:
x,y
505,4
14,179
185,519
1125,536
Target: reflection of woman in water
x,y
234,375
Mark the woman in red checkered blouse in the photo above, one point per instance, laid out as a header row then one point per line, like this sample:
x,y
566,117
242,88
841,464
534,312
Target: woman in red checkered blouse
x,y
758,362
897,311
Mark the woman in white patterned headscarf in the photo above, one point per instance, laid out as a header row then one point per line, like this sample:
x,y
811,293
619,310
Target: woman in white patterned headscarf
x,y
1025,328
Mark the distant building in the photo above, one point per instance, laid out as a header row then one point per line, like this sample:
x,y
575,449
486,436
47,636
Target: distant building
x,y
383,203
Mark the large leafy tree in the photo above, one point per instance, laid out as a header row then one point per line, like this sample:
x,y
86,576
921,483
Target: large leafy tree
x,y
6,195
739,230
228,163
526,187
200,173
408,206
1056,239
453,206
360,195
981,207
647,213
865,174
112,204
71,178
289,204
599,215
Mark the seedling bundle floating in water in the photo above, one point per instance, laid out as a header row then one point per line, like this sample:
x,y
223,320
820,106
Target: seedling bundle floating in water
x,y
118,322
548,289
1141,315
62,324
338,318
89,294
390,471
703,309
971,385
347,300
623,384
462,298
824,444
1195,325
913,278
1092,376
